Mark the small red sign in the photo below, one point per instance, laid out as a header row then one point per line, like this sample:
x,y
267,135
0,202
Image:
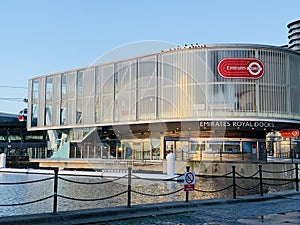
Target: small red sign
x,y
189,187
245,68
289,133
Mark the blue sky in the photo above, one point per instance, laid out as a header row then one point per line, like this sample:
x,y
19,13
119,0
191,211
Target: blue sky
x,y
40,37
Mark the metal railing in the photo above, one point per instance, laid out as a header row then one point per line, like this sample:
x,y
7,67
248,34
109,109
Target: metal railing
x,y
257,177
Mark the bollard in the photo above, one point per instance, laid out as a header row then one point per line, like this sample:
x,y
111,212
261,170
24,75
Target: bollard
x,y
2,160
261,180
129,188
233,182
55,191
187,193
171,164
297,178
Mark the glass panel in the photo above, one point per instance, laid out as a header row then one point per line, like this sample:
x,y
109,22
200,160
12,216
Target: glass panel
x,y
167,103
63,86
48,115
107,93
295,107
216,96
63,106
125,97
198,99
71,115
245,97
125,78
273,99
70,85
35,100
35,91
147,88
107,109
108,79
147,104
63,114
97,94
123,107
34,115
79,111
155,144
56,100
88,106
79,83
147,73
88,96
214,146
88,83
49,88
232,146
79,95
116,77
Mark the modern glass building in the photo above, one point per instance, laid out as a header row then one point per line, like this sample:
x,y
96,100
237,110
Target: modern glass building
x,y
203,102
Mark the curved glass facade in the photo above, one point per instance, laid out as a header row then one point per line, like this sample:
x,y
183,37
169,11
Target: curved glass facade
x,y
213,102
174,85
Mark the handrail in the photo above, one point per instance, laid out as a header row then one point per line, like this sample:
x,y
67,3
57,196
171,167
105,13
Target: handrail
x,y
214,191
234,175
89,183
94,199
157,195
27,182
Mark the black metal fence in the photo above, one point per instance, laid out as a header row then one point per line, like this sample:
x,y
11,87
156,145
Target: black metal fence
x,y
258,177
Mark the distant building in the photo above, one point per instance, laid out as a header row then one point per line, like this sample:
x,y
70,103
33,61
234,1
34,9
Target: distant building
x,y
203,102
294,35
15,140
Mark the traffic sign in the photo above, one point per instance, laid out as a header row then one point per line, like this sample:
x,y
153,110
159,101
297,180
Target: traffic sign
x,y
189,181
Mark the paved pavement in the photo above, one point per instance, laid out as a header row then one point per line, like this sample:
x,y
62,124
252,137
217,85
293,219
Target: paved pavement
x,y
272,208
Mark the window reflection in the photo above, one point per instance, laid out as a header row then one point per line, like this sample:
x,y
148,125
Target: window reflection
x,y
35,100
35,91
34,115
49,88
79,97
48,115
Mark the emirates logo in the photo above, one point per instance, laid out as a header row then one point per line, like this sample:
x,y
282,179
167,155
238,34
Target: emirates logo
x,y
243,68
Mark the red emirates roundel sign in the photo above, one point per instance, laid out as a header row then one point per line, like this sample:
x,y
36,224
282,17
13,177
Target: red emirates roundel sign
x,y
245,68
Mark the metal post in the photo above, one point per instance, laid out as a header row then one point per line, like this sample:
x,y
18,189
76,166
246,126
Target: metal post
x,y
291,151
297,177
261,180
55,191
143,151
187,193
233,182
129,188
241,147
